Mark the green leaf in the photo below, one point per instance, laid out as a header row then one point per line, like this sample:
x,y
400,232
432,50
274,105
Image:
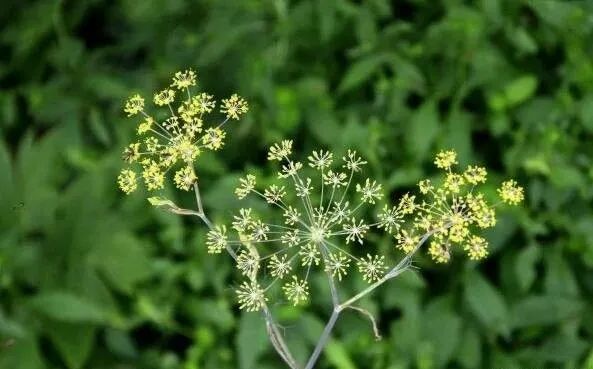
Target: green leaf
x,y
252,340
586,112
520,90
589,361
23,354
470,353
544,310
10,203
502,360
161,201
73,341
562,348
486,302
525,264
123,260
337,355
361,71
559,278
442,329
66,307
424,127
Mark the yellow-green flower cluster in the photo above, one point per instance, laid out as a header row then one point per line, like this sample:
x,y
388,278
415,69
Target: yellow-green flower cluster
x,y
323,225
452,212
173,143
320,229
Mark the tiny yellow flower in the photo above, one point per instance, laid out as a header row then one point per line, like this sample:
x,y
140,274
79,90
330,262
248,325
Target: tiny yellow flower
x,y
151,144
164,97
337,265
177,136
458,232
216,240
185,79
445,159
213,138
476,247
204,103
454,182
438,252
131,153
280,151
406,241
425,186
185,178
246,185
510,192
127,181
296,291
279,266
234,106
372,268
153,177
145,126
134,105
406,204
187,150
475,174
251,297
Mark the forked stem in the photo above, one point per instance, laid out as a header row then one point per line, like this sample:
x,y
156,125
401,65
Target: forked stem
x,y
275,335
402,266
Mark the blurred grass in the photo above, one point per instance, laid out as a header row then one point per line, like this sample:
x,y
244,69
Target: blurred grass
x,y
92,279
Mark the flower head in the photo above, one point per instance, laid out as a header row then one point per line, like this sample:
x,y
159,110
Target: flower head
x,y
370,191
511,193
446,159
234,107
127,181
178,139
185,178
318,222
475,174
216,240
320,159
296,291
185,79
372,267
134,105
452,212
164,97
280,151
251,296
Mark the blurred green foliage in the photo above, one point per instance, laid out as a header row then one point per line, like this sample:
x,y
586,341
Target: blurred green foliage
x,y
92,279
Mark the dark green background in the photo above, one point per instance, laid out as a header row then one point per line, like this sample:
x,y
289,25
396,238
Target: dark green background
x,y
90,278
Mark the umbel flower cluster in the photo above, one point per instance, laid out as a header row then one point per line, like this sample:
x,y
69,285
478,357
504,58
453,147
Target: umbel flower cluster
x,y
325,202
172,140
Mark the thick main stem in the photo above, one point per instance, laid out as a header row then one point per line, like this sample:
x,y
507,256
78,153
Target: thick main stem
x,y
323,339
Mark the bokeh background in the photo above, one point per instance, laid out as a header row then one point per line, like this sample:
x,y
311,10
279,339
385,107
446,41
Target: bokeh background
x,y
90,278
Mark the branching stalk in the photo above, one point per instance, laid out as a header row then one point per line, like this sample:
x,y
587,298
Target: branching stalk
x,y
276,337
402,266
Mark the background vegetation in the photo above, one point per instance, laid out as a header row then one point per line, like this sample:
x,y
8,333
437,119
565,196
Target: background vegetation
x,y
90,278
